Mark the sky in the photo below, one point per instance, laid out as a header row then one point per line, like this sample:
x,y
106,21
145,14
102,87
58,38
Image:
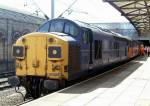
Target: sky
x,y
92,11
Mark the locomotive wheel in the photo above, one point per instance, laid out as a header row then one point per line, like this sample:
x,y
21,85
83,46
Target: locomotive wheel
x,y
36,88
33,88
62,83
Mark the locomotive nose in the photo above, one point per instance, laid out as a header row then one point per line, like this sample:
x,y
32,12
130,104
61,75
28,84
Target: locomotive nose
x,y
30,55
41,54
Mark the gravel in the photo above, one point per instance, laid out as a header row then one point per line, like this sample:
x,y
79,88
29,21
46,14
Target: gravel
x,y
10,98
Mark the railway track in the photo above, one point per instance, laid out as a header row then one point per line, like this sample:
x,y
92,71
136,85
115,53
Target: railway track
x,y
7,74
4,84
8,95
4,80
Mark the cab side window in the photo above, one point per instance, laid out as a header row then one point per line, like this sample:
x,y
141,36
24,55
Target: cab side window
x,y
85,37
44,28
71,29
57,26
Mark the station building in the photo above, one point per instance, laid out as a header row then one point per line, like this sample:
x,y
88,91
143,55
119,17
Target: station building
x,y
13,24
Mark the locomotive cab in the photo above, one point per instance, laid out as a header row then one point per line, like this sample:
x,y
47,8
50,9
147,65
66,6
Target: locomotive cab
x,y
42,57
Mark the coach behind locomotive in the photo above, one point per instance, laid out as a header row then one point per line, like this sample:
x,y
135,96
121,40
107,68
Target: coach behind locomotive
x,y
63,50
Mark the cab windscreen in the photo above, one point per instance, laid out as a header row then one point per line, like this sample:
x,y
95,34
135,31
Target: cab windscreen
x,y
54,52
18,51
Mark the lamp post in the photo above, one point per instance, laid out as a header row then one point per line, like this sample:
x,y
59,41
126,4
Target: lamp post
x,y
52,9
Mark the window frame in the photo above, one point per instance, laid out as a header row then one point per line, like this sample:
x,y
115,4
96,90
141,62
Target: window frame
x,y
48,22
75,26
85,37
51,22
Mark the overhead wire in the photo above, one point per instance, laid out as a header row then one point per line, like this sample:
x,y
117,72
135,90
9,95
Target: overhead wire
x,y
74,9
70,6
37,8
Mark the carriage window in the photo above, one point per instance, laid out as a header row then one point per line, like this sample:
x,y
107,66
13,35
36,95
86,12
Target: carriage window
x,y
44,28
71,29
56,26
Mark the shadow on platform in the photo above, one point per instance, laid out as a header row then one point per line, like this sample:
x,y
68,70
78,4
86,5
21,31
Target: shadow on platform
x,y
109,80
142,58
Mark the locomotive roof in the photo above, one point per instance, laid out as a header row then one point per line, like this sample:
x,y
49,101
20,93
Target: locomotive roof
x,y
95,28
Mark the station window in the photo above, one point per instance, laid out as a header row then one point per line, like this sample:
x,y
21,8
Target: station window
x,y
71,29
44,28
56,26
98,49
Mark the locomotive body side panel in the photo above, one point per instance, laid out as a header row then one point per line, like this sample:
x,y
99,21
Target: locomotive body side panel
x,y
74,61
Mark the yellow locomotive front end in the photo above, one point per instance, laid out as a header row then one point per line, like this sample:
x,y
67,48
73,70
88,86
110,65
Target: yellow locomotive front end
x,y
41,60
41,55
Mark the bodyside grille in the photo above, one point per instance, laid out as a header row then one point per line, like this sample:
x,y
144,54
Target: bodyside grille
x,y
74,62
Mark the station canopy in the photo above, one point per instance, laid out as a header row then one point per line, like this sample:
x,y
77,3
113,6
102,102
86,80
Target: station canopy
x,y
136,11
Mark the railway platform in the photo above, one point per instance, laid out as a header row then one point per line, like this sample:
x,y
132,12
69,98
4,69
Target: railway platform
x,y
126,85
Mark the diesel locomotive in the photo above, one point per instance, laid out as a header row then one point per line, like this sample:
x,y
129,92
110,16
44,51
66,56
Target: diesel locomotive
x,y
64,50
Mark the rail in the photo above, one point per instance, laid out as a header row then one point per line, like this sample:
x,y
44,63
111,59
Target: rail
x,y
7,74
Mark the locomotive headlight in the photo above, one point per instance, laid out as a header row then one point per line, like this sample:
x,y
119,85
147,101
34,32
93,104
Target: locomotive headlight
x,y
18,52
54,52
